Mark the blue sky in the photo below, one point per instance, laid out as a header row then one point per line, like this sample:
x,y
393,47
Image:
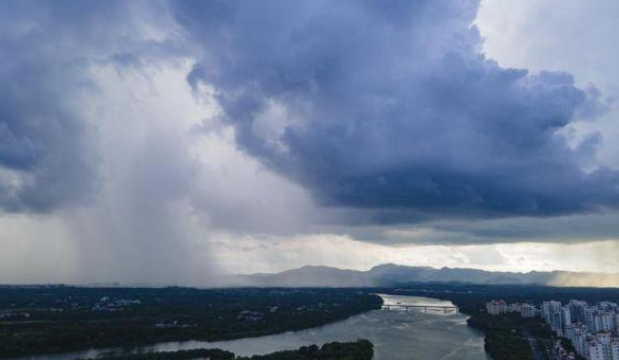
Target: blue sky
x,y
172,141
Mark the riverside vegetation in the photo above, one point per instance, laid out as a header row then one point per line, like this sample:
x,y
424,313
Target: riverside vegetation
x,y
359,350
505,336
53,319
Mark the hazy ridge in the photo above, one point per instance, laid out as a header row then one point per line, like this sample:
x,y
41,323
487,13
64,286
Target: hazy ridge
x,y
392,275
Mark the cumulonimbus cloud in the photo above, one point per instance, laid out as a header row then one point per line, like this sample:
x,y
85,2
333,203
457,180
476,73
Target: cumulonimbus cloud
x,y
44,162
48,155
390,107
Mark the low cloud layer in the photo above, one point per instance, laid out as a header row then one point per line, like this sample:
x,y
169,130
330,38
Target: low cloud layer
x,y
393,109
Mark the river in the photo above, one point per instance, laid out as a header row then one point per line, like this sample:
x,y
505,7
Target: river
x,y
396,335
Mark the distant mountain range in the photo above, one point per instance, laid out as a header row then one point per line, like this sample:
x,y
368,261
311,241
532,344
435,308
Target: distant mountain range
x,y
393,275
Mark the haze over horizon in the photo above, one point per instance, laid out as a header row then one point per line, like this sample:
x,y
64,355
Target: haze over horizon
x,y
177,142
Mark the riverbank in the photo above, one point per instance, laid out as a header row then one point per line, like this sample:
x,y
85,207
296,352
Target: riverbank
x,y
504,337
508,337
358,350
66,319
396,335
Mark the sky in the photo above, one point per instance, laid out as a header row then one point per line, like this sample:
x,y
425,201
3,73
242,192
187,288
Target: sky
x,y
174,142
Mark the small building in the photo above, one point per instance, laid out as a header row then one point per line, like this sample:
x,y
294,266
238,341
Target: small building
x,y
249,315
527,310
496,307
595,350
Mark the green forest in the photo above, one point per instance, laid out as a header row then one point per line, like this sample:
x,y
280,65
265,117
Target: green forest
x,y
61,319
359,350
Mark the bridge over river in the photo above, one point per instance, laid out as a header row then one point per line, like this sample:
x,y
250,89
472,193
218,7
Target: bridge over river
x,y
425,308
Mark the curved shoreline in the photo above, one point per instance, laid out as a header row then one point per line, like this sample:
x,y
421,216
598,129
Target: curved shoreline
x,y
169,315
387,330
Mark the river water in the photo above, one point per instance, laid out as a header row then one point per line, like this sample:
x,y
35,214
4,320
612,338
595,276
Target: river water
x,y
396,335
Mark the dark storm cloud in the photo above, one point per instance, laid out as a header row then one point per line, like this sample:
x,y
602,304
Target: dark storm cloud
x,y
78,125
47,160
43,160
389,107
570,229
